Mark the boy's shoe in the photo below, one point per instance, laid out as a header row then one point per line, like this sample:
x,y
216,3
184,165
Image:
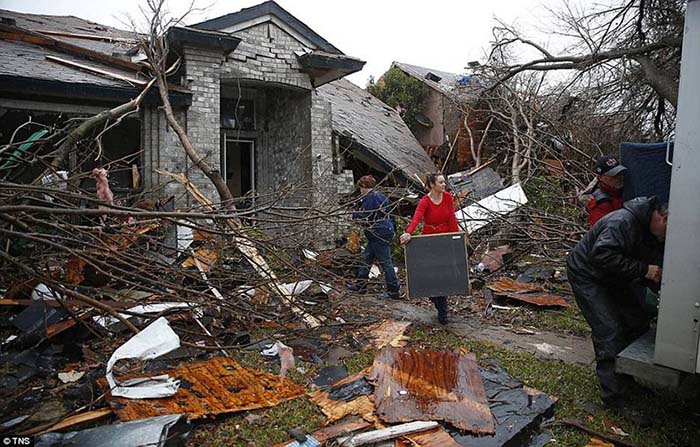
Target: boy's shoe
x,y
442,319
391,296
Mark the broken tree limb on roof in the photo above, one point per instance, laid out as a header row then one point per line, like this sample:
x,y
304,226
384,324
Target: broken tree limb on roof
x,y
431,385
249,250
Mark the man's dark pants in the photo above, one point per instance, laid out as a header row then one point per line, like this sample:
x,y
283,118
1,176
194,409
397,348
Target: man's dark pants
x,y
380,250
616,319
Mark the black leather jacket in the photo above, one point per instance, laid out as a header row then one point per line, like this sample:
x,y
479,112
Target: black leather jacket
x,y
619,247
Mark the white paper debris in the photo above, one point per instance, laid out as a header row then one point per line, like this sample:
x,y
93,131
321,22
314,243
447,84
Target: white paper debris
x,y
270,352
156,308
42,292
309,254
185,237
485,210
57,180
296,288
70,376
156,340
546,348
325,288
374,272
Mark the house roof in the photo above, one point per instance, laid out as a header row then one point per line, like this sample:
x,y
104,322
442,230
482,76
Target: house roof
x,y
383,139
446,83
41,62
94,36
267,10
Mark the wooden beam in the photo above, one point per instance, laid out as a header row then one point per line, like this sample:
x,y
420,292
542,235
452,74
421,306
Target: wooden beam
x,y
98,71
86,36
14,33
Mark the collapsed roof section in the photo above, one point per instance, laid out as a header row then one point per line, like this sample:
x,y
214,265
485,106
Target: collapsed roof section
x,y
381,138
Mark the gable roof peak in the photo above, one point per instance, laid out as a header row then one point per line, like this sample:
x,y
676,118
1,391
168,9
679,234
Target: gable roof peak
x,y
251,16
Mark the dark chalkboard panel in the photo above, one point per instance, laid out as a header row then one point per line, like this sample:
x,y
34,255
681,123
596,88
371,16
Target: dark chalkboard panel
x,y
436,265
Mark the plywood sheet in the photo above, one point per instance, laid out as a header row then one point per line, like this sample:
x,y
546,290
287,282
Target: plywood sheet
x,y
413,385
436,265
217,386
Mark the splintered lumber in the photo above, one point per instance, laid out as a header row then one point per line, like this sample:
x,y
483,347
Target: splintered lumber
x,y
351,395
431,385
329,433
99,71
217,386
71,421
387,333
386,433
249,250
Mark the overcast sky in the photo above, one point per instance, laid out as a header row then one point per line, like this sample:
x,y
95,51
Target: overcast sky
x,y
440,34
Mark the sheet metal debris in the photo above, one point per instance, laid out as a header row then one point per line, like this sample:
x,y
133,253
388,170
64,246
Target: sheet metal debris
x,y
171,430
431,385
217,386
529,293
157,339
478,215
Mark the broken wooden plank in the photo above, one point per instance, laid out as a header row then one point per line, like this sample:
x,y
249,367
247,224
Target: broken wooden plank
x,y
104,73
71,421
431,385
217,386
347,396
249,251
387,433
329,433
387,333
101,38
14,33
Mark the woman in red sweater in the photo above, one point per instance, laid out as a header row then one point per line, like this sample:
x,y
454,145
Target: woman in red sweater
x,y
436,210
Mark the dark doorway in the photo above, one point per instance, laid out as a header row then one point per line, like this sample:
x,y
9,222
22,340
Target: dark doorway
x,y
238,163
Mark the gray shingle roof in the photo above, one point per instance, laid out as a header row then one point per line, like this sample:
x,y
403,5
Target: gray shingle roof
x,y
377,128
446,84
73,25
27,60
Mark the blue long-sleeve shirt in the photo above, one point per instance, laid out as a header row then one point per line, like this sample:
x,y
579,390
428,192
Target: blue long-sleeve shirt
x,y
375,210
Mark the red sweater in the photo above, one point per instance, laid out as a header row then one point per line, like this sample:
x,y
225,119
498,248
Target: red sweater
x,y
436,218
597,209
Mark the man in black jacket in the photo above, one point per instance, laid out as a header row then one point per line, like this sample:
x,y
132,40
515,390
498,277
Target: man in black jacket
x,y
622,249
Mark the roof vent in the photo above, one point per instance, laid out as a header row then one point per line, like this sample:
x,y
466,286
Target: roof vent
x,y
8,21
432,77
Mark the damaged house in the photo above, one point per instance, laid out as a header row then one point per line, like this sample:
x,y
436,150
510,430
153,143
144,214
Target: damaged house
x,y
260,94
441,123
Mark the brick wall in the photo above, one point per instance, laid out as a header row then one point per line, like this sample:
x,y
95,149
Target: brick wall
x,y
266,53
203,71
